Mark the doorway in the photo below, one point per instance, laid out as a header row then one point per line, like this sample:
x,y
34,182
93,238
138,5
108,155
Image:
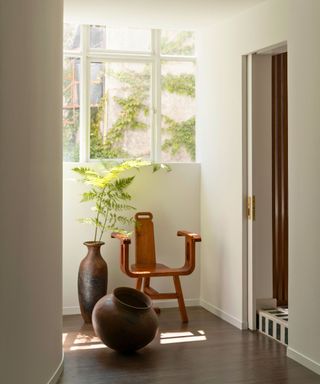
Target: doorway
x,y
280,178
267,176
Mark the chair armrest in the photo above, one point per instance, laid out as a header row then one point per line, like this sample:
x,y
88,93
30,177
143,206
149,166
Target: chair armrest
x,y
190,250
123,238
190,235
124,252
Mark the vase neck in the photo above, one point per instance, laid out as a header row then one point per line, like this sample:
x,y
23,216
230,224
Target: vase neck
x,y
94,247
93,244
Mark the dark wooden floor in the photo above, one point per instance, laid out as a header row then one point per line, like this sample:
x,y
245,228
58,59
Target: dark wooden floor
x,y
212,352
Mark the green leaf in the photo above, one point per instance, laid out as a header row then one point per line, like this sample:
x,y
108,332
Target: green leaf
x,y
91,221
107,189
88,196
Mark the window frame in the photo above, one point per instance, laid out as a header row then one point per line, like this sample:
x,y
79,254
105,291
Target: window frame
x,y
153,57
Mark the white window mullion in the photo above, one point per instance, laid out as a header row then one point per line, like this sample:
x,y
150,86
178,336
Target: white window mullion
x,y
156,75
153,58
119,58
84,103
178,58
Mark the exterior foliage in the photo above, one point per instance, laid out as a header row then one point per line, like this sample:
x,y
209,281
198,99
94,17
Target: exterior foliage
x,y
181,134
181,84
120,102
71,114
110,147
182,44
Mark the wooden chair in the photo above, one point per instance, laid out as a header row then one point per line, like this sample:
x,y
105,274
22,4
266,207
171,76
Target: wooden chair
x,y
146,266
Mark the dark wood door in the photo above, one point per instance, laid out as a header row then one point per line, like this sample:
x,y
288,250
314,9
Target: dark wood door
x,y
280,177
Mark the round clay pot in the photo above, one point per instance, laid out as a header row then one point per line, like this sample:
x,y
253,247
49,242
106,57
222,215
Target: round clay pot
x,y
92,279
125,320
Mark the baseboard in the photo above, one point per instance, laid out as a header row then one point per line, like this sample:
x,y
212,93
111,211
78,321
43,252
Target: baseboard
x,y
223,315
303,360
71,310
55,377
174,303
159,303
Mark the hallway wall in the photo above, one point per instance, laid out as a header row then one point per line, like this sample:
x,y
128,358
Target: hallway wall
x,y
222,153
31,190
304,182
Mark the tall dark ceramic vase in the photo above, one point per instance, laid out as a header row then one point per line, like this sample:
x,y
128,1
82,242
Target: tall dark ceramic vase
x,y
92,279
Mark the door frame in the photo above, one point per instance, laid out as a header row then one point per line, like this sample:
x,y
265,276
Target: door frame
x,y
248,299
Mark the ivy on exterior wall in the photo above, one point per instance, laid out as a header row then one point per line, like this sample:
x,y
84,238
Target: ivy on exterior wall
x,y
181,45
182,135
110,146
183,84
179,135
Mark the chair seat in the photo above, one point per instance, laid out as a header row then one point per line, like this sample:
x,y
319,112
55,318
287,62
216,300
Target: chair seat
x,y
156,270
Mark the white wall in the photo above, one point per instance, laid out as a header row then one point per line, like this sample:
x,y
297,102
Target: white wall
x,y
152,13
221,154
31,190
304,181
173,198
220,148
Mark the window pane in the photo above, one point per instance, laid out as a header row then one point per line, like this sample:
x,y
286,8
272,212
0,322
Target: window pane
x,y
97,36
119,110
177,43
71,37
71,108
120,39
178,111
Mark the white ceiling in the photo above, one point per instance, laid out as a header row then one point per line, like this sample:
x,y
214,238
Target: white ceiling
x,y
155,13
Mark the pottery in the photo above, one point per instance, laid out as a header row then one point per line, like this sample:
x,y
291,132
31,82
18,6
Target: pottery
x,y
92,279
125,320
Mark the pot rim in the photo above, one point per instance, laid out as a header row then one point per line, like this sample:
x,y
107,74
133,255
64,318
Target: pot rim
x,y
92,243
135,292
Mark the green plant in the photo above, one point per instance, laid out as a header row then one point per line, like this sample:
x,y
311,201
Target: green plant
x,y
136,84
108,192
182,44
71,110
183,84
181,135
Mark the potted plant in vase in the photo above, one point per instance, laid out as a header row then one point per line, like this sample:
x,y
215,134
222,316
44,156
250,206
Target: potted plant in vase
x,y
108,192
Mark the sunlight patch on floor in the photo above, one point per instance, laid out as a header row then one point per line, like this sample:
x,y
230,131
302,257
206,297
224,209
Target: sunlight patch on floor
x,y
181,337
91,346
84,342
165,335
83,339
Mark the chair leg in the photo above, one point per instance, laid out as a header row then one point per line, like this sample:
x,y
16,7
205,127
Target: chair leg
x,y
146,282
182,306
139,283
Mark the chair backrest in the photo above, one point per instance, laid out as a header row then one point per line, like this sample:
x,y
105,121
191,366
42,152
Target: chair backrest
x,y
145,248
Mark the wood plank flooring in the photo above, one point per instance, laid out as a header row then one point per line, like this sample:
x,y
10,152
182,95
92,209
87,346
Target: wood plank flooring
x,y
207,351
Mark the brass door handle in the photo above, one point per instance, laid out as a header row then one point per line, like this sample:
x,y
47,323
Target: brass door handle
x,y
251,208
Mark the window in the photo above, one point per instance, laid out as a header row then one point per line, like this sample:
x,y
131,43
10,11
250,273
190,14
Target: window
x,y
128,93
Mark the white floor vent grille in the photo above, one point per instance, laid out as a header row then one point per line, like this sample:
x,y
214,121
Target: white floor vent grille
x,y
274,323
